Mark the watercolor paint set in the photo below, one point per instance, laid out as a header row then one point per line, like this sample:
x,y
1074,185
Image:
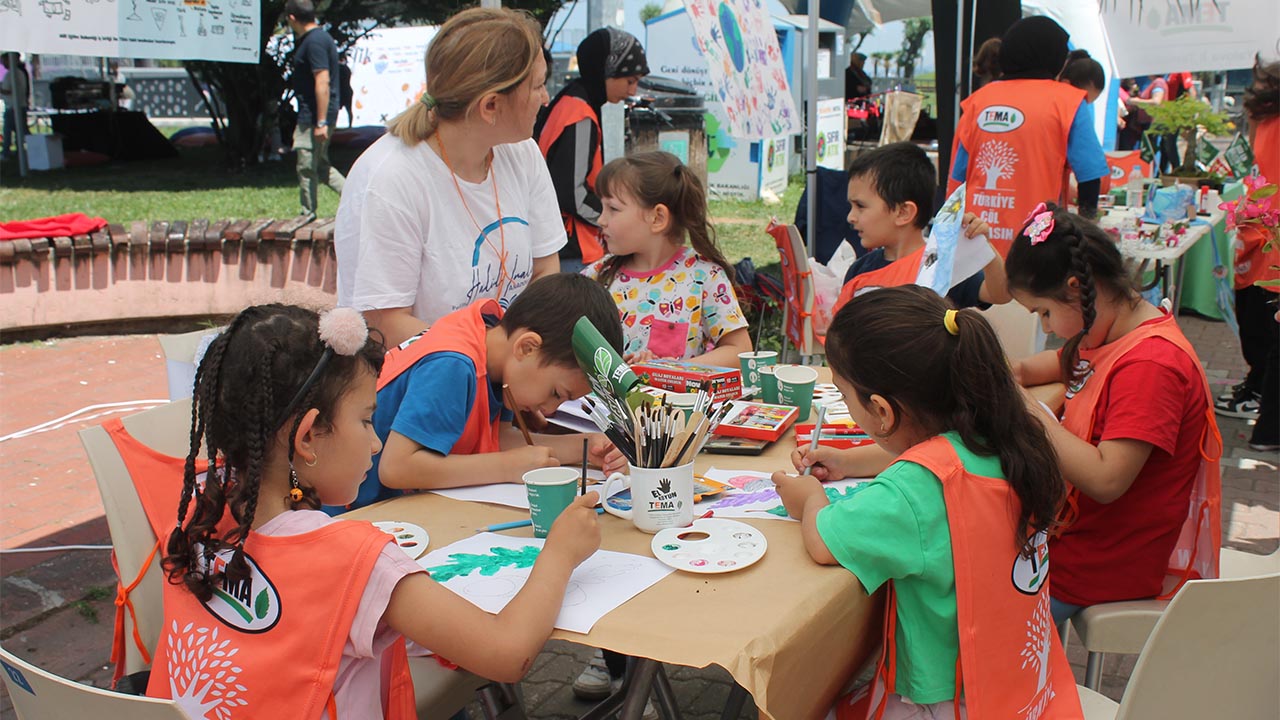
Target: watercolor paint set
x,y
835,435
757,421
710,545
678,376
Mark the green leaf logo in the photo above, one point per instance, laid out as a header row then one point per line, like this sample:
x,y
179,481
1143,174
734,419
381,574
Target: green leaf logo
x,y
261,605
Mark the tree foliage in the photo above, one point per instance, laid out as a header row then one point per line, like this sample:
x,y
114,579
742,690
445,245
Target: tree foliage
x,y
650,11
914,31
248,96
1184,117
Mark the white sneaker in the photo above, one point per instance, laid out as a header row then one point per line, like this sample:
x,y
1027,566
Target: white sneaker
x,y
593,683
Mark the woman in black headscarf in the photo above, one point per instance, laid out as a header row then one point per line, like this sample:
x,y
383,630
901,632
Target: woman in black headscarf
x,y
611,63
1017,135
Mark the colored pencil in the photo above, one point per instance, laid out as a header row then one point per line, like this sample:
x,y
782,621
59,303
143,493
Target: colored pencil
x,y
817,427
583,489
511,403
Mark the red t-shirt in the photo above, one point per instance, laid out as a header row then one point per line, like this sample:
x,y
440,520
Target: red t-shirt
x,y
1120,551
1178,84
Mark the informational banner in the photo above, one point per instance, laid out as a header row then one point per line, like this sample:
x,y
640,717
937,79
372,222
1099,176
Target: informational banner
x,y
388,72
831,129
219,30
740,47
1155,38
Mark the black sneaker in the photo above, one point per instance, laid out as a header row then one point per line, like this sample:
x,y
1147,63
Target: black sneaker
x,y
1264,447
1243,405
1233,391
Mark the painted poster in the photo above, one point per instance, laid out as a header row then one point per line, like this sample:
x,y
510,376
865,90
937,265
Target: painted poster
x,y
831,131
740,46
488,570
388,72
221,30
949,257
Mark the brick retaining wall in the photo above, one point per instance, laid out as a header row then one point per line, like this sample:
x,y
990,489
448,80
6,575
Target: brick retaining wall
x,y
165,269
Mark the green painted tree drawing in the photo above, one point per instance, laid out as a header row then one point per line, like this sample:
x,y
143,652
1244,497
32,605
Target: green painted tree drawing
x,y
463,564
834,495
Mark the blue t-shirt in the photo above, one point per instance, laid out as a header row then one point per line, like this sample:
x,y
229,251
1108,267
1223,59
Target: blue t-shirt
x,y
1084,152
429,404
963,295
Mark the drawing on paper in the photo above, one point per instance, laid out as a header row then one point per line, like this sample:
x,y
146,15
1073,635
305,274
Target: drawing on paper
x,y
834,495
11,6
463,564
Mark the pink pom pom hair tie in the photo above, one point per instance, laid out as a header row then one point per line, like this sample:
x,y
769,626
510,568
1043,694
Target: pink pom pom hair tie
x,y
1039,224
343,332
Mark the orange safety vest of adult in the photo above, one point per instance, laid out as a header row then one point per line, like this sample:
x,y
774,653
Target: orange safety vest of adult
x,y
569,111
237,655
1196,553
1011,664
1015,132
461,332
902,271
1253,262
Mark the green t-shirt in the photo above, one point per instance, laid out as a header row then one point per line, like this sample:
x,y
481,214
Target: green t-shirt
x,y
896,528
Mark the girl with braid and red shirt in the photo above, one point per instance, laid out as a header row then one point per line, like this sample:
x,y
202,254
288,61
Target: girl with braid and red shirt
x,y
1138,445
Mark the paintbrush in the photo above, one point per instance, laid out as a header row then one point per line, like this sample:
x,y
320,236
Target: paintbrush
x,y
511,403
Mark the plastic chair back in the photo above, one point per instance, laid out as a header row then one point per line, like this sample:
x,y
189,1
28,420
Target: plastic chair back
x,y
165,429
797,282
1238,564
1212,654
179,360
40,695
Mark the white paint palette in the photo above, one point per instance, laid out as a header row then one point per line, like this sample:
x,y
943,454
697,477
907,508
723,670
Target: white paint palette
x,y
412,539
710,545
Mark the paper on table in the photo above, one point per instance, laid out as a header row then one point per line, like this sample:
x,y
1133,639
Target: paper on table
x,y
571,416
950,258
509,494
489,569
754,495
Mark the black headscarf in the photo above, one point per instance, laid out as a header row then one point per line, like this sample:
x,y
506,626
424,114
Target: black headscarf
x,y
1033,48
608,53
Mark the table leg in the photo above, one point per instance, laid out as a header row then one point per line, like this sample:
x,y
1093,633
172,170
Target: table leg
x,y
642,673
733,706
1177,288
668,707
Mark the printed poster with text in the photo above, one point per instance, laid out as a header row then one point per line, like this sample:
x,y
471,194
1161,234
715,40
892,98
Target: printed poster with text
x,y
219,30
740,45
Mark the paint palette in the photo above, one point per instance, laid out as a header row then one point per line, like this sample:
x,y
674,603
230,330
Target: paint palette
x,y
710,545
411,538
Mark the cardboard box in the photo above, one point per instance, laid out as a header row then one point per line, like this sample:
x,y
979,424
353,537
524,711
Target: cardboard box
x,y
757,421
44,152
678,376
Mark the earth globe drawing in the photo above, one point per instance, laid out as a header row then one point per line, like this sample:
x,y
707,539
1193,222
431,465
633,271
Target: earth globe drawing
x,y
732,37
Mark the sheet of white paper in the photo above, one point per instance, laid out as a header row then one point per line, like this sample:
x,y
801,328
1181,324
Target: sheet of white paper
x,y
571,416
509,494
754,495
489,569
950,257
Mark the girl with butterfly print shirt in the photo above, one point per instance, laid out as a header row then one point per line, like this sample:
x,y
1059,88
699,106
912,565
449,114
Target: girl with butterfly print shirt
x,y
675,301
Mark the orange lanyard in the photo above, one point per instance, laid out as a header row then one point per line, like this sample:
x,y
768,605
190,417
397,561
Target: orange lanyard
x,y
501,253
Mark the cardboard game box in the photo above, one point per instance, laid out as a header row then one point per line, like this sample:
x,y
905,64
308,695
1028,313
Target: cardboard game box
x,y
758,421
679,376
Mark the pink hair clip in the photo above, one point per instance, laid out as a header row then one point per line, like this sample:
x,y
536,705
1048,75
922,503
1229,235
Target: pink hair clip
x,y
1039,224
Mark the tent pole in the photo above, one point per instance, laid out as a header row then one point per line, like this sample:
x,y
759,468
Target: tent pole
x,y
967,71
959,73
17,94
811,128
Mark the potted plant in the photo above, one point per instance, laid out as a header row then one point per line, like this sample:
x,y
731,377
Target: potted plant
x,y
1184,117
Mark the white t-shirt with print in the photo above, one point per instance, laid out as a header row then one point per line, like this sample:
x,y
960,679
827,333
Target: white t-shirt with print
x,y
404,238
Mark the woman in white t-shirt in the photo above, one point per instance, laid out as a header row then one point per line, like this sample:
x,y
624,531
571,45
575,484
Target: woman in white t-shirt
x,y
454,204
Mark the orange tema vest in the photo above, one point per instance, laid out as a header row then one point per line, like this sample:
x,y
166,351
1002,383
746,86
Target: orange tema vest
x,y
567,112
1199,542
1015,132
1011,664
299,574
1253,262
461,332
902,271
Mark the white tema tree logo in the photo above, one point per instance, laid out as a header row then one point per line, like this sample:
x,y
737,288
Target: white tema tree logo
x,y
202,672
996,160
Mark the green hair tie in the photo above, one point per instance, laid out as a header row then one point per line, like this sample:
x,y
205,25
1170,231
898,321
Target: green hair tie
x,y
427,101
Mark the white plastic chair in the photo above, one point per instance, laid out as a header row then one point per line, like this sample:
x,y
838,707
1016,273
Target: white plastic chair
x,y
440,692
180,360
40,695
1123,627
801,301
1211,654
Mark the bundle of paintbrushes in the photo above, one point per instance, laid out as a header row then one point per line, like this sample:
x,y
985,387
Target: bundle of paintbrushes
x,y
654,434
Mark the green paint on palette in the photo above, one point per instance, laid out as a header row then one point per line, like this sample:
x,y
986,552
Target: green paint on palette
x,y
463,564
670,547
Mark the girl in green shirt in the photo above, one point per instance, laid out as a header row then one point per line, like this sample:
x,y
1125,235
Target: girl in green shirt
x,y
911,368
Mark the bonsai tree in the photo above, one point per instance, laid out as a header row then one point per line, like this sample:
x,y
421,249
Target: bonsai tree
x,y
1184,117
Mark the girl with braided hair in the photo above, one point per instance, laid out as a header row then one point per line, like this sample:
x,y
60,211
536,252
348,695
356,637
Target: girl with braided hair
x,y
274,609
1138,444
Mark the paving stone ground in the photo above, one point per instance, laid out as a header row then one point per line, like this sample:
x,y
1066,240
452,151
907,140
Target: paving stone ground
x,y
56,608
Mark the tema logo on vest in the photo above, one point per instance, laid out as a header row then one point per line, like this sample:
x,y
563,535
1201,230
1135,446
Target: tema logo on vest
x,y
1000,119
251,605
1029,573
1084,371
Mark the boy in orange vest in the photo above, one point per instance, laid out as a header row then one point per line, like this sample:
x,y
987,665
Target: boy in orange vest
x,y
443,395
890,194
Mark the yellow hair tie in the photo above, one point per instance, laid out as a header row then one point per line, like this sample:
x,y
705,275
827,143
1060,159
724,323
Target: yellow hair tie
x,y
949,321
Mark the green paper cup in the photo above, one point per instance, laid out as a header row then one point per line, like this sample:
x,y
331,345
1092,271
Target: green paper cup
x,y
769,384
551,490
795,387
683,402
750,364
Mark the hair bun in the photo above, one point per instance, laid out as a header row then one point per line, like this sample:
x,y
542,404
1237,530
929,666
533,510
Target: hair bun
x,y
344,330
